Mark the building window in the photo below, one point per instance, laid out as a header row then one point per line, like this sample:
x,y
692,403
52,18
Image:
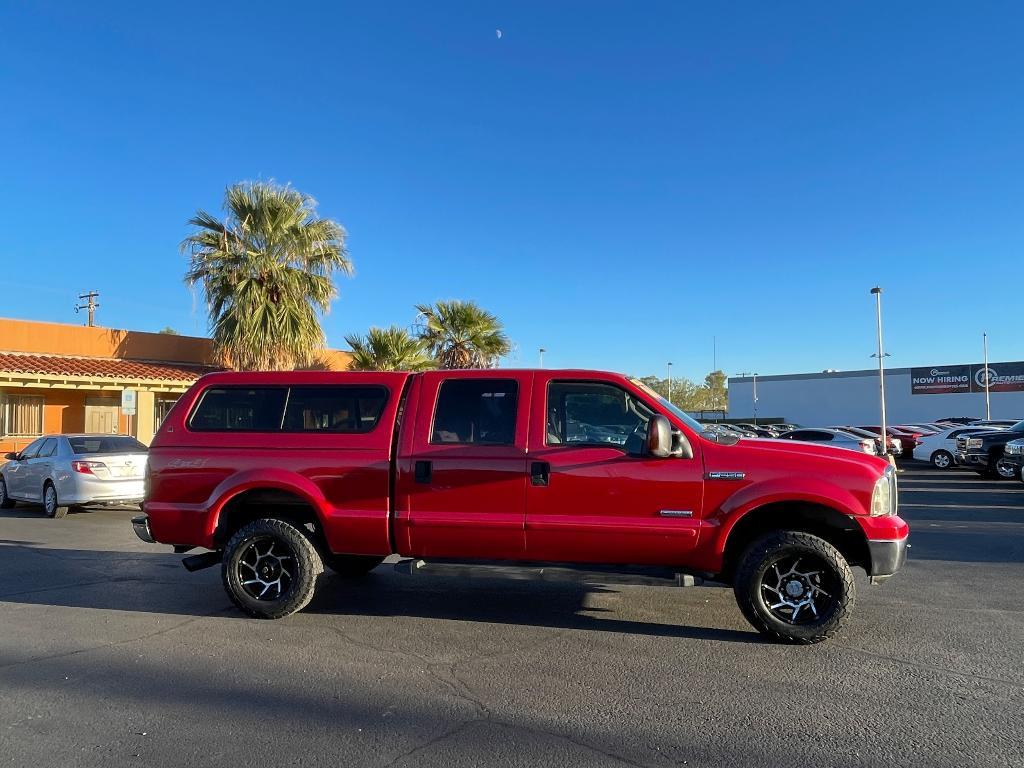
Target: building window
x,y
160,410
21,415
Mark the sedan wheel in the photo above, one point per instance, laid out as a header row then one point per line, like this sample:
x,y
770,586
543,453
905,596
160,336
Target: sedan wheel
x,y
6,502
51,504
942,459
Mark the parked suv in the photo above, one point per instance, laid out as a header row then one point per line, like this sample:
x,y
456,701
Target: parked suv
x,y
983,451
282,474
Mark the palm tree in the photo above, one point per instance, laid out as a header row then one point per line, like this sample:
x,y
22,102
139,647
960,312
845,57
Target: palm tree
x,y
389,349
267,272
462,335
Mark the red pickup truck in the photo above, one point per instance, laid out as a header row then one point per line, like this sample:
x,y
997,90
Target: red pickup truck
x,y
282,474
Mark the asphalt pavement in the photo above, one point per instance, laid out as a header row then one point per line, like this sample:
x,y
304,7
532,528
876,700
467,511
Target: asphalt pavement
x,y
111,654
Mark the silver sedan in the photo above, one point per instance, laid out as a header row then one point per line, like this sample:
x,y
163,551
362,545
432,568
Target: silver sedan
x,y
61,471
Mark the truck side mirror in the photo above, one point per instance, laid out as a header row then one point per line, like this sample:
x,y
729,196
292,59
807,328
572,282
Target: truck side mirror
x,y
681,448
659,437
12,456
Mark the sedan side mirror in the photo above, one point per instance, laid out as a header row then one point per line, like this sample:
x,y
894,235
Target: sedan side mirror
x,y
12,456
659,437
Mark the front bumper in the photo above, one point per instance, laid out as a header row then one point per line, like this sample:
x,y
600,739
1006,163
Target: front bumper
x,y
971,459
887,537
140,525
887,557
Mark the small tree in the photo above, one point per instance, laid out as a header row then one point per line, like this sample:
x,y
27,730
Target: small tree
x,y
462,335
267,271
389,349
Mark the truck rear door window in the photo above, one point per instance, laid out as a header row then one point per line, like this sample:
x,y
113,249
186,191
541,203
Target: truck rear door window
x,y
476,411
334,409
239,409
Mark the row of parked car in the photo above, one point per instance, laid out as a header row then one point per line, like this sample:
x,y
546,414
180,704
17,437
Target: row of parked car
x,y
992,448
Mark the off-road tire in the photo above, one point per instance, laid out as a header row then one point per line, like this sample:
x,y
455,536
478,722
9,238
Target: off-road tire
x,y
775,547
7,502
305,561
351,566
53,509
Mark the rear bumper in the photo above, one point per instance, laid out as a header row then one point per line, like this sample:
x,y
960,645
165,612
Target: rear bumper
x,y
140,525
74,488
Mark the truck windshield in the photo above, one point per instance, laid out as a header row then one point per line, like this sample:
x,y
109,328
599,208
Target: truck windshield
x,y
1018,427
682,415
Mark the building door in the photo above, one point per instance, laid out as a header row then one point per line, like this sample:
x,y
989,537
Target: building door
x,y
102,415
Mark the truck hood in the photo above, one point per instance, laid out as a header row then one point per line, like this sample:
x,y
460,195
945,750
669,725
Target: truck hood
x,y
990,433
797,450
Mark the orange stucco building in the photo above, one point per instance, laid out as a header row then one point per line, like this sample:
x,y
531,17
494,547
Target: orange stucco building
x,y
70,378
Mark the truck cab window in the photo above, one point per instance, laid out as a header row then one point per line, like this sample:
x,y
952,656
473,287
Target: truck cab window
x,y
476,411
585,413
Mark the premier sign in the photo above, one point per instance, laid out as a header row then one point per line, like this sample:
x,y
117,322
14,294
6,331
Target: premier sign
x,y
952,379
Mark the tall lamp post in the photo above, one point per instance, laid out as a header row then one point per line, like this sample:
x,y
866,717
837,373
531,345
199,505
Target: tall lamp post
x,y
754,375
881,355
670,382
988,405
542,351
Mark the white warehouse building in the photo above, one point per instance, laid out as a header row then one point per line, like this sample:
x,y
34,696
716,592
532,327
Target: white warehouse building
x,y
851,397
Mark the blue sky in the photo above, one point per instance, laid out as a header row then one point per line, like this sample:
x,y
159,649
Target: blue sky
x,y
620,182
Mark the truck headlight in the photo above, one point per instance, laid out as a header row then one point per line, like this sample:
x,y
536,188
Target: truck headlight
x,y
1014,448
883,496
974,442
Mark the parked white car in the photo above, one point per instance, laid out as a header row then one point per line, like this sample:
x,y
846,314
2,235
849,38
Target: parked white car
x,y
62,471
837,438
940,448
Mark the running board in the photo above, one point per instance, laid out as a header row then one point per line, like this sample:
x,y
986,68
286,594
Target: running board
x,y
639,575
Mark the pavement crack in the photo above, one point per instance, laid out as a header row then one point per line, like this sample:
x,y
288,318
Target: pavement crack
x,y
113,643
932,667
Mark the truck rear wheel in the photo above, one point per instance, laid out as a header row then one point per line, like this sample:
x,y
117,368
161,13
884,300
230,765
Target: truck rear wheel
x,y
795,587
270,569
351,566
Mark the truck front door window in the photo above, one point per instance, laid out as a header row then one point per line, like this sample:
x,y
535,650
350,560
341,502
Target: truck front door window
x,y
585,413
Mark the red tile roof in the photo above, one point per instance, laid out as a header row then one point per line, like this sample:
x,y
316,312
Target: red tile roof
x,y
99,367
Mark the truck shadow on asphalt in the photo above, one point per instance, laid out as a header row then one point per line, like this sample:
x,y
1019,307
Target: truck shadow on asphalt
x,y
156,583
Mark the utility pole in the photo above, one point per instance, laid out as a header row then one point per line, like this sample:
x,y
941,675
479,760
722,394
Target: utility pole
x,y
542,351
881,355
988,404
670,382
90,305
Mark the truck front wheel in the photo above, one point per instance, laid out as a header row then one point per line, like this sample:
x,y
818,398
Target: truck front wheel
x,y
795,587
270,569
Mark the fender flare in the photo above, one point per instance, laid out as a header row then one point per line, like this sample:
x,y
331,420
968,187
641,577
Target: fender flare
x,y
275,479
822,493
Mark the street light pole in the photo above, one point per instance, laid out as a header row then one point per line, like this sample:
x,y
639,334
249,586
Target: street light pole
x,y
881,355
988,405
542,351
744,374
670,382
